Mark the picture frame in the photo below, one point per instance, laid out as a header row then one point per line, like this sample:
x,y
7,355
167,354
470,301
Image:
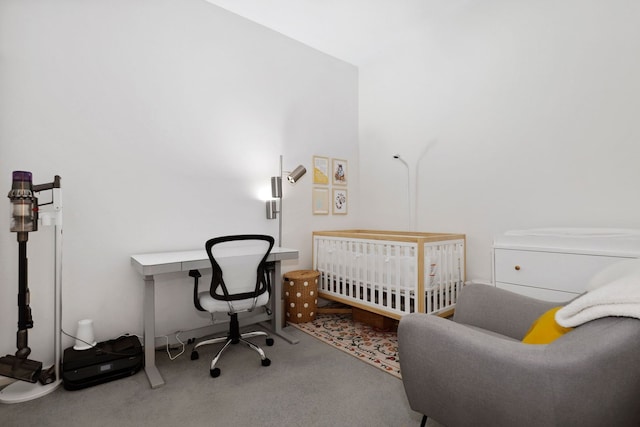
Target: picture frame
x,y
340,201
320,200
320,170
340,172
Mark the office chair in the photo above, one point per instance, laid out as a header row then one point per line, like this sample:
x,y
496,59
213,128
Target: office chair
x,y
239,283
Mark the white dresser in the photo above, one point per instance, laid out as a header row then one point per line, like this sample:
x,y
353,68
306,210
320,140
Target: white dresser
x,y
556,264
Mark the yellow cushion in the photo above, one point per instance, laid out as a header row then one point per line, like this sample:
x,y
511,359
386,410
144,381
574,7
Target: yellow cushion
x,y
545,329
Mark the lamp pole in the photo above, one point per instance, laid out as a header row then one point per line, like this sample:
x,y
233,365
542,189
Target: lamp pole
x,y
413,201
281,210
411,210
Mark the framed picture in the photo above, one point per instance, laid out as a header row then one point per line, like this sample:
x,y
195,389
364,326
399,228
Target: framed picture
x,y
320,201
340,172
339,201
320,170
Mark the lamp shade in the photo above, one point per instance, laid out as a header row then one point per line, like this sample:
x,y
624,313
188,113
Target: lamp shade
x,y
296,174
276,186
271,209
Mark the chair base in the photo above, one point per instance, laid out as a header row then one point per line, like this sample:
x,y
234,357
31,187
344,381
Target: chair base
x,y
234,337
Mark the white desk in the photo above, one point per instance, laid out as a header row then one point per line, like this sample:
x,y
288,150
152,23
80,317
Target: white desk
x,y
149,265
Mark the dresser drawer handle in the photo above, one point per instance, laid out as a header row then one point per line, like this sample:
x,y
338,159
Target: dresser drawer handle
x,y
517,267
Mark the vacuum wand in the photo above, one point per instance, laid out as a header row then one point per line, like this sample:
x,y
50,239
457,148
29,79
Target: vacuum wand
x,y
25,321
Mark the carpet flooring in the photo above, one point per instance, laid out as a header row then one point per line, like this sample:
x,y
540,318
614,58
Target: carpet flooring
x,y
308,384
375,347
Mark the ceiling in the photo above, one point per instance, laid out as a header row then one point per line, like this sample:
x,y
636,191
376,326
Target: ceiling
x,y
351,30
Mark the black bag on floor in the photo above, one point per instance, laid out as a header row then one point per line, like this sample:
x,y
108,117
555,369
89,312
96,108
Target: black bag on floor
x,y
107,361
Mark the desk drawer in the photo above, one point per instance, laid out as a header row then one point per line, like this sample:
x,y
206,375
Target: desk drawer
x,y
549,270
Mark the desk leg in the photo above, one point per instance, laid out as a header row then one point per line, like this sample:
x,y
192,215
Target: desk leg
x,y
155,379
276,307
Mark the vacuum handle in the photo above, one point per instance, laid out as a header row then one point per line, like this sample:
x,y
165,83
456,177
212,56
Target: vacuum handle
x,y
48,186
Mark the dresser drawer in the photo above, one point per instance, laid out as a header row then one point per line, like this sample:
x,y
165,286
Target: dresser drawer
x,y
538,293
550,270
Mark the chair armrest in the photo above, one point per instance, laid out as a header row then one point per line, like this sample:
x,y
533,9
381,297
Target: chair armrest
x,y
196,300
498,310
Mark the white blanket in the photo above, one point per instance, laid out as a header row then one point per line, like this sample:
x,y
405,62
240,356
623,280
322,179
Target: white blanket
x,y
620,297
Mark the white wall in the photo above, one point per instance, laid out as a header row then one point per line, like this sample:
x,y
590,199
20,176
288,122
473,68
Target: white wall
x,y
534,107
165,120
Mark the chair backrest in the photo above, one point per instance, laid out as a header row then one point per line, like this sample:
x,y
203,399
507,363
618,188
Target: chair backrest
x,y
239,266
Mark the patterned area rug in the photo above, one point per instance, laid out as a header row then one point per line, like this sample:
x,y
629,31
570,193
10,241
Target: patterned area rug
x,y
378,348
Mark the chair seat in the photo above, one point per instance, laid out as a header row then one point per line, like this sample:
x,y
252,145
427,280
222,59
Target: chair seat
x,y
215,306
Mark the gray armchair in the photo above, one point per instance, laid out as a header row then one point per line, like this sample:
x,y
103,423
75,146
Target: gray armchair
x,y
474,371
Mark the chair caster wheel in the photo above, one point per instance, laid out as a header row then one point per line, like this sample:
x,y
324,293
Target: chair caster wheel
x,y
215,372
269,342
194,355
266,362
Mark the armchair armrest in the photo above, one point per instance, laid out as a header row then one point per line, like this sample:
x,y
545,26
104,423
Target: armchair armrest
x,y
461,375
498,310
457,374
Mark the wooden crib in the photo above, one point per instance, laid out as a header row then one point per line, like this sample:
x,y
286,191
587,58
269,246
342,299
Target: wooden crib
x,y
390,273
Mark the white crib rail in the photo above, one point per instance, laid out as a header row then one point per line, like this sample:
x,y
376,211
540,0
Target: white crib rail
x,y
444,263
383,274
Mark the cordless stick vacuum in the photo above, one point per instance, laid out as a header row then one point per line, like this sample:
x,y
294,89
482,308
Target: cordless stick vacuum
x,y
24,219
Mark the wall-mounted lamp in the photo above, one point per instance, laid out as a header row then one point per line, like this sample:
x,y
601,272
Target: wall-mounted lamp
x,y
276,192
